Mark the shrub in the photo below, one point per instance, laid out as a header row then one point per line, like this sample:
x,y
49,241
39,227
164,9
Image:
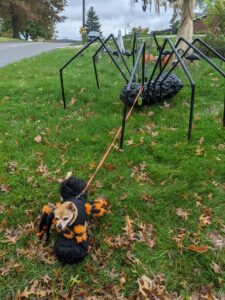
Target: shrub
x,y
216,42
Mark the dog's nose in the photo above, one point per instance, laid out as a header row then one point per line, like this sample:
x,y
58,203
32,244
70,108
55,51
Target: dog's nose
x,y
59,226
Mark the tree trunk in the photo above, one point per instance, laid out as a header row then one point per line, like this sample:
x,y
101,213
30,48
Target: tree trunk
x,y
15,21
186,25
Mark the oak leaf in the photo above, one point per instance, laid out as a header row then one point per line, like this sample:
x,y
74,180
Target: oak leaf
x,y
184,214
198,249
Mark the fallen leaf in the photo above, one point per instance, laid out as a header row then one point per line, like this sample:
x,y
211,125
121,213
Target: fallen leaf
x,y
4,188
199,151
110,167
123,197
205,218
2,208
42,169
216,268
92,165
147,198
68,174
217,240
153,288
179,238
198,249
72,101
184,214
38,139
201,141
12,166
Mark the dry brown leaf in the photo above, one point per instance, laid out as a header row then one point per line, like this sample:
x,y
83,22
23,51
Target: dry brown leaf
x,y
184,214
199,151
146,234
216,268
3,225
198,249
201,141
2,208
12,166
4,188
153,288
72,101
139,174
203,293
92,165
147,198
68,174
11,236
217,240
205,217
9,267
128,228
110,167
179,238
123,197
42,170
129,142
38,139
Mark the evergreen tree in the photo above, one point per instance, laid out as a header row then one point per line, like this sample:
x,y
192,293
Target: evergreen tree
x,y
92,23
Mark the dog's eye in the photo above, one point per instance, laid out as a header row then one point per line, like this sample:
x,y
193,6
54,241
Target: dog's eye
x,y
65,219
57,219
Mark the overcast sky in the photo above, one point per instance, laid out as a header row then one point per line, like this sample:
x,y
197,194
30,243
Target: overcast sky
x,y
113,15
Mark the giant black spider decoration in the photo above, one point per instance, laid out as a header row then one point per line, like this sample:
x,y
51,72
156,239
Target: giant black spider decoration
x,y
155,87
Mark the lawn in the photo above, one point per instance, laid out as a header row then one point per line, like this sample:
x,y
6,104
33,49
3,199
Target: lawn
x,y
5,39
166,194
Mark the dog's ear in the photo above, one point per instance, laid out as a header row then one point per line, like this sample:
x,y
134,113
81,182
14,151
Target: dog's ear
x,y
70,206
52,206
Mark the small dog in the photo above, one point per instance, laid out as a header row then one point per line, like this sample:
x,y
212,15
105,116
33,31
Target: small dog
x,y
72,209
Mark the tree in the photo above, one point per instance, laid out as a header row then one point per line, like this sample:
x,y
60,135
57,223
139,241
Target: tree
x,y
22,13
216,17
92,23
139,29
186,9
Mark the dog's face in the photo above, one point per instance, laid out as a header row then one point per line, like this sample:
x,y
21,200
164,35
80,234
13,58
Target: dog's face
x,y
65,215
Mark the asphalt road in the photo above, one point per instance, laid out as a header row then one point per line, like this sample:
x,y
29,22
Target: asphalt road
x,y
13,52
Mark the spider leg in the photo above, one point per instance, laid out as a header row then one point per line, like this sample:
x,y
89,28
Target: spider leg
x,y
218,55
179,58
104,45
149,52
140,52
67,63
209,61
75,56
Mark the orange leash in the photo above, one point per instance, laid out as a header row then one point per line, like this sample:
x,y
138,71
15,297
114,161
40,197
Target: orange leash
x,y
111,145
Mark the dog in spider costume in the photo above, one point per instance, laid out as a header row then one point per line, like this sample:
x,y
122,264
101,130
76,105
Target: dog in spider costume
x,y
70,218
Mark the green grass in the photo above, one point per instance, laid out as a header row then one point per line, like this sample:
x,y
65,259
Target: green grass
x,y
75,139
5,39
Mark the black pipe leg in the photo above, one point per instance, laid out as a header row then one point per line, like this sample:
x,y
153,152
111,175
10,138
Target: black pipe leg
x,y
62,88
191,112
96,74
123,125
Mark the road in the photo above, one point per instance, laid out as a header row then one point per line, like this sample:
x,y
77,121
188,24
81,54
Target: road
x,y
12,52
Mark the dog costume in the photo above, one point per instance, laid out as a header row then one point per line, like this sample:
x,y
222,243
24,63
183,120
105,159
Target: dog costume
x,y
72,244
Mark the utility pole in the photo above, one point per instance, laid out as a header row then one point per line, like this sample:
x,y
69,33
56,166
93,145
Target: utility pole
x,y
83,13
